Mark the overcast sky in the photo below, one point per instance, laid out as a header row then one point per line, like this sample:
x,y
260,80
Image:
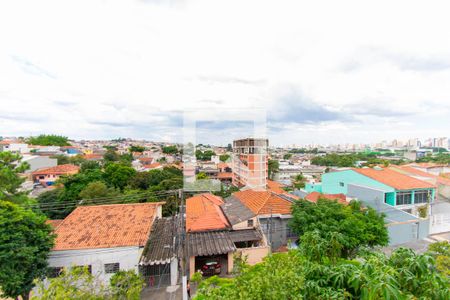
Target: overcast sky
x,y
322,71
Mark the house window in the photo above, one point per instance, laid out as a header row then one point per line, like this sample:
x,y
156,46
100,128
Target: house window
x,y
250,223
421,196
112,268
341,184
404,198
54,272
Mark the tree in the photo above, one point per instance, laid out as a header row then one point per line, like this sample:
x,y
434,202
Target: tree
x,y
170,149
111,156
48,140
201,176
352,226
90,165
287,156
204,155
126,285
50,205
441,252
97,189
224,157
273,167
9,175
25,242
72,283
294,275
118,175
134,148
299,181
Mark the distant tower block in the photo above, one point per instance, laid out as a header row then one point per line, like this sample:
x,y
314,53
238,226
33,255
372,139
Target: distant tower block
x,y
250,163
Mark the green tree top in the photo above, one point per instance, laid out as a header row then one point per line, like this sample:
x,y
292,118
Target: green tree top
x,y
25,242
48,140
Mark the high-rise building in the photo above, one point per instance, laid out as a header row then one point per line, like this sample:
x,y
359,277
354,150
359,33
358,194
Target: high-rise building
x,y
250,163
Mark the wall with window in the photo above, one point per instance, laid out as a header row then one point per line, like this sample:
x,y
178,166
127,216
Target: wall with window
x,y
103,262
337,182
412,197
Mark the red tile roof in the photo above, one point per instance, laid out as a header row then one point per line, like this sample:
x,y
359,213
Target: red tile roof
x,y
93,156
222,165
394,179
58,170
153,166
314,196
275,186
264,202
413,171
106,226
203,213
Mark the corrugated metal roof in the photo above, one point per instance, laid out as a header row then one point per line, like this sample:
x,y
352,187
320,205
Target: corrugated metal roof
x,y
236,211
245,235
161,246
209,243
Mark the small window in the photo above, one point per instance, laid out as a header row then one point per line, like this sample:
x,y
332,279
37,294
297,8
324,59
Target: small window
x,y
54,272
112,268
341,183
250,223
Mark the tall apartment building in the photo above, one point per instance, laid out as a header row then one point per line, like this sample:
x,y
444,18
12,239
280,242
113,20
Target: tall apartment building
x,y
250,163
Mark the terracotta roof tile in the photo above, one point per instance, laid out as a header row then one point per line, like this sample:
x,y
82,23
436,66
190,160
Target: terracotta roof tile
x,y
54,223
106,226
224,175
314,196
394,179
203,213
264,202
413,171
275,186
61,169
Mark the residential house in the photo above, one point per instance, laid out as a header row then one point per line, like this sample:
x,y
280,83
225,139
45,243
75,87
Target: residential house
x,y
13,147
273,211
217,230
432,168
397,195
48,176
38,162
105,238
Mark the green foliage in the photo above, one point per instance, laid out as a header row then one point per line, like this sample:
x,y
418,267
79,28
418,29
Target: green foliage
x,y
48,140
170,149
9,176
201,176
347,160
64,159
126,285
111,156
73,283
441,252
440,158
287,156
134,148
90,165
423,211
118,175
204,155
304,150
351,226
224,157
226,191
79,283
273,167
50,205
292,275
95,190
25,242
299,181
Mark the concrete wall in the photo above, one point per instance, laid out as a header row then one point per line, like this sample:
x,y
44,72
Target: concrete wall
x,y
254,255
402,227
279,233
128,257
39,162
331,182
244,225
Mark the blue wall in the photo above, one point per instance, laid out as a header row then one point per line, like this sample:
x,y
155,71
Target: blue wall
x,y
331,182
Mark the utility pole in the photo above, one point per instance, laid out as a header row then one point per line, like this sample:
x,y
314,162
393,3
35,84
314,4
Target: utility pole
x,y
184,248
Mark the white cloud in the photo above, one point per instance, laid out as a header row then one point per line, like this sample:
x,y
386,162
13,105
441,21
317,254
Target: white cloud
x,y
127,68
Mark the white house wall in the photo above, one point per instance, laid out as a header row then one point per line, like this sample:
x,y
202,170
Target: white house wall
x,y
127,257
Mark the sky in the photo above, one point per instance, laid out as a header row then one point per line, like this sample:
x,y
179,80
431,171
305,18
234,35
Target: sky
x,y
326,72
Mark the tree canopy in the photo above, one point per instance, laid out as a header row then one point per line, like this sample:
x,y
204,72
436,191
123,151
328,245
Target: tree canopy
x,y
204,155
25,242
352,226
170,149
349,160
10,167
297,275
273,167
224,157
48,140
